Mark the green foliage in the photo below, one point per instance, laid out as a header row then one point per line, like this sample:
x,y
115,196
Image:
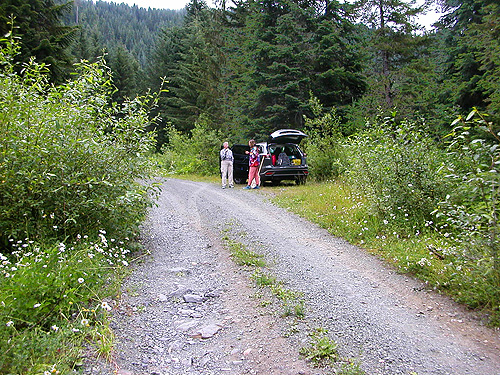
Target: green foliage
x,y
243,256
395,165
69,161
198,153
322,350
472,208
107,25
484,38
191,60
278,53
430,254
263,279
69,166
324,143
52,302
38,23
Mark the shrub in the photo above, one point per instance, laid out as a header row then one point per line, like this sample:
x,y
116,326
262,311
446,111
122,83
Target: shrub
x,y
396,166
325,154
69,161
196,153
471,209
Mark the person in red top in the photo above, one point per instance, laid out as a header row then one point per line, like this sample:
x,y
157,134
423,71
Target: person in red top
x,y
253,163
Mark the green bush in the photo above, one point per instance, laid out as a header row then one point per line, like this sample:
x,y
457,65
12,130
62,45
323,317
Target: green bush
x,y
470,211
396,166
325,153
69,161
196,153
70,164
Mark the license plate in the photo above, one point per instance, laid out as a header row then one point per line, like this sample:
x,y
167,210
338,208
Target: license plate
x,y
296,161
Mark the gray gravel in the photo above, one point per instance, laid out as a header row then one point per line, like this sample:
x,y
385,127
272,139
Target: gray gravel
x,y
188,309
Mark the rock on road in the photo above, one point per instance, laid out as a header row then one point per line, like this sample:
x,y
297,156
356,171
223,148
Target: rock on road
x,y
188,309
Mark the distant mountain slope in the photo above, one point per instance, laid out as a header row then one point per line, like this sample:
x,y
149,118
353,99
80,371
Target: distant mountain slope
x,y
107,25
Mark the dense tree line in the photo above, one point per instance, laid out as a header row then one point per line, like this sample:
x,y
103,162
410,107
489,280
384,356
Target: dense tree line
x,y
110,25
251,67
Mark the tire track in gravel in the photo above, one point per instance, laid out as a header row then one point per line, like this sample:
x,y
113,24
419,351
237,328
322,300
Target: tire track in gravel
x,y
390,322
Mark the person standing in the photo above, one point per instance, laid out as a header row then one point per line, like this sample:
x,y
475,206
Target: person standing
x,y
253,163
226,165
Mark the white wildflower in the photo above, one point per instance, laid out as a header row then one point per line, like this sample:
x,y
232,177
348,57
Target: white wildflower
x,y
105,306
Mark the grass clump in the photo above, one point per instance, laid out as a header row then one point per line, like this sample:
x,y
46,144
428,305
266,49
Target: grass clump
x,y
322,350
263,279
244,257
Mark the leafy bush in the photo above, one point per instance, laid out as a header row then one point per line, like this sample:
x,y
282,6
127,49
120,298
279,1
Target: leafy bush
x,y
471,209
396,166
325,155
196,153
69,161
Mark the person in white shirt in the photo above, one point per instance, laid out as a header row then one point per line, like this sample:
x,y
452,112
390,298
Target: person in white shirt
x,y
226,166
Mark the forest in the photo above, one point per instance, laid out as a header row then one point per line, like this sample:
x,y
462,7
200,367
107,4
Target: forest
x,y
402,123
249,68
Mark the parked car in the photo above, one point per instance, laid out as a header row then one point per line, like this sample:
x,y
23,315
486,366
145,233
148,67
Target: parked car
x,y
281,159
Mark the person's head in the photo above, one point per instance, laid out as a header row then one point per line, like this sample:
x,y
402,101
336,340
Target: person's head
x,y
225,144
251,142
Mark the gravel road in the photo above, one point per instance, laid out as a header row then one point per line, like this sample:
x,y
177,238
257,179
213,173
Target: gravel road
x,y
187,308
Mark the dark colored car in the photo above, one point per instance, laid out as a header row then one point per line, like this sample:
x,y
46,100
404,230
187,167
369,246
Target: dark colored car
x,y
281,159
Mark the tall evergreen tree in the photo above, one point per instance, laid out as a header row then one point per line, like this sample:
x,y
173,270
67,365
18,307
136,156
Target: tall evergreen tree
x,y
289,49
125,72
190,59
392,41
38,23
472,43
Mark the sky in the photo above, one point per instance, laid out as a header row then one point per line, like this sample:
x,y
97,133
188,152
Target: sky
x,y
426,20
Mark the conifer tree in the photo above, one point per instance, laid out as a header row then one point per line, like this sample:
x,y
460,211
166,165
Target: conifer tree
x,y
38,24
392,40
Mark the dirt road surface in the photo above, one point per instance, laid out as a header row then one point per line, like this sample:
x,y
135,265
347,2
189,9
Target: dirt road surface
x,y
187,308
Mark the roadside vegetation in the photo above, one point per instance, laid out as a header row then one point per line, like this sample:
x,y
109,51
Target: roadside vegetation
x,y
70,208
428,205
